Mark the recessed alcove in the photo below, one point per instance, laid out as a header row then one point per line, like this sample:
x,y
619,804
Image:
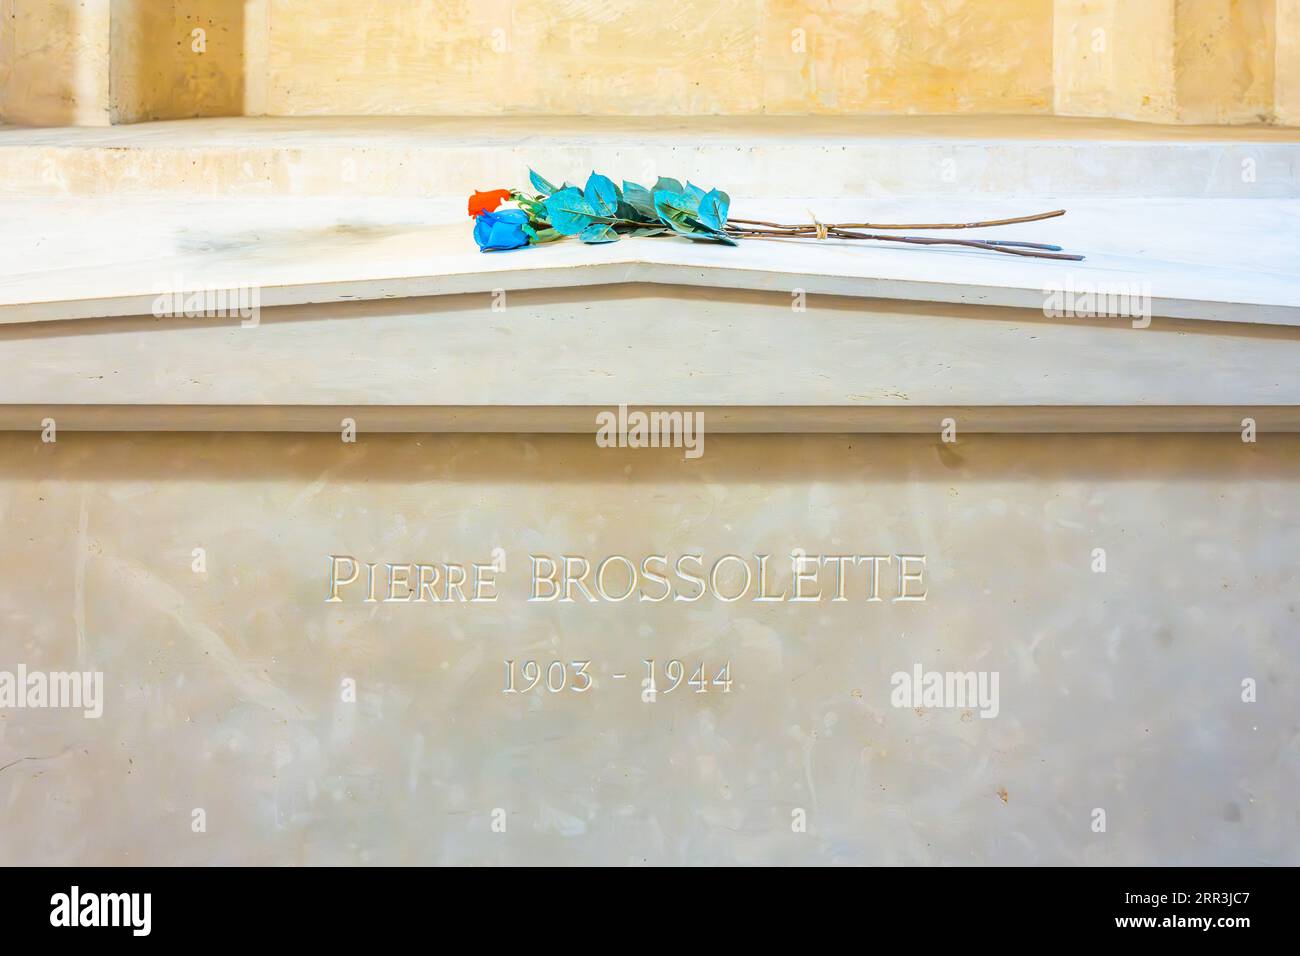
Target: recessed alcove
x,y
96,62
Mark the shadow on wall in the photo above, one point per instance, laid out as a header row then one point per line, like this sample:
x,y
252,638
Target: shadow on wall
x,y
54,59
175,59
99,62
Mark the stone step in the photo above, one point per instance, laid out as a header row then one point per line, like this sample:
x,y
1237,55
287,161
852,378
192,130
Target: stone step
x,y
553,360
445,158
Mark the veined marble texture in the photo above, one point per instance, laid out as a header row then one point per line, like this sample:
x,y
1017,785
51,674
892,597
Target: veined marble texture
x,y
1120,691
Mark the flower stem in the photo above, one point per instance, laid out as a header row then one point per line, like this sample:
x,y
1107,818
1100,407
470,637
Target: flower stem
x,y
919,225
1027,249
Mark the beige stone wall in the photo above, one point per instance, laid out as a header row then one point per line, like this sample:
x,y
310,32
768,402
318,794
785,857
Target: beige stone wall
x,y
1223,60
1114,58
222,685
96,62
723,56
68,62
54,62
1186,61
174,59
1286,78
1195,61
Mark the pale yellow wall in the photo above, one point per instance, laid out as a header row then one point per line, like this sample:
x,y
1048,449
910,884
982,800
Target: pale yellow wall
x,y
1187,61
1286,81
88,62
54,62
1115,58
871,56
163,70
257,52
1223,58
631,56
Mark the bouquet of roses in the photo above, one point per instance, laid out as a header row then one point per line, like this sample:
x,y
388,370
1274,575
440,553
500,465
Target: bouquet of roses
x,y
604,212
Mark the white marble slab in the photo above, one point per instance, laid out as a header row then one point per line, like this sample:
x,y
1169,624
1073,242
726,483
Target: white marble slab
x,y
1219,260
224,688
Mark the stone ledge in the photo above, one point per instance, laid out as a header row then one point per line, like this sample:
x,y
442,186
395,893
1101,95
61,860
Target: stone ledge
x,y
957,157
719,419
553,358
1214,260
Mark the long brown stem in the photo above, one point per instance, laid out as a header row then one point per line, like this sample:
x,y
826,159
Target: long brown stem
x,y
973,243
1028,250
810,231
920,225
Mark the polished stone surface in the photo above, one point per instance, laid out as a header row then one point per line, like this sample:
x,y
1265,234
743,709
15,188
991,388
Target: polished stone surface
x,y
1119,690
1220,260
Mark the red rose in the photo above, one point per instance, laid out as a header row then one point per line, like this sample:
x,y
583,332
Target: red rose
x,y
482,202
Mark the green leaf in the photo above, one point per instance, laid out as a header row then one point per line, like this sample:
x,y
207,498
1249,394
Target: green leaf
x,y
568,211
540,184
713,209
687,200
602,195
710,236
673,207
695,192
680,212
648,231
632,214
598,232
535,207
666,184
548,235
640,199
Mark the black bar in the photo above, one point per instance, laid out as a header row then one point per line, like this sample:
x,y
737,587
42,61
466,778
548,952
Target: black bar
x,y
983,908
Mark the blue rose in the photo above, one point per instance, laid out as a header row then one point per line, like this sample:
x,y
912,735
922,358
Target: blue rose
x,y
495,231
